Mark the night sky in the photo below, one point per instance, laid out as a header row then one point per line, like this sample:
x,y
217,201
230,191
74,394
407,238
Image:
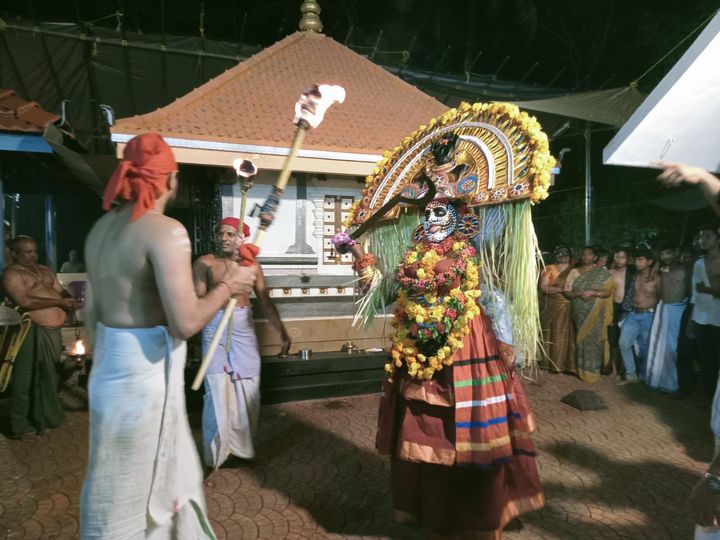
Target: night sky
x,y
575,44
570,45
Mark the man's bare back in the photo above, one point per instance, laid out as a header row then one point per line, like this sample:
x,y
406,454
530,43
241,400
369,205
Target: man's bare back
x,y
118,256
140,275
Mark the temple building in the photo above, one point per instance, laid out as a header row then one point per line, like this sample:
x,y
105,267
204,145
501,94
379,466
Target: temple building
x,y
247,113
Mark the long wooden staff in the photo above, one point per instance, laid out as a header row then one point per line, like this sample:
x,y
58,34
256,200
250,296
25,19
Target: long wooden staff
x,y
309,112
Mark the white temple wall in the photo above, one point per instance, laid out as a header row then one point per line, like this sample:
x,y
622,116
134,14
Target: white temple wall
x,y
284,252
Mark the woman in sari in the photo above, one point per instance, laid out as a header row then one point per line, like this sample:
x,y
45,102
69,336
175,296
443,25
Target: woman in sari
x,y
557,329
589,288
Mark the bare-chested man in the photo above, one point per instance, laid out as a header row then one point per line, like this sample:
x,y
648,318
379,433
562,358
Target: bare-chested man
x,y
619,271
637,324
662,371
705,501
229,423
34,404
706,307
144,477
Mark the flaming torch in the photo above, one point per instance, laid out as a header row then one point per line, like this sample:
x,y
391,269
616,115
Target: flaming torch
x,y
245,169
309,113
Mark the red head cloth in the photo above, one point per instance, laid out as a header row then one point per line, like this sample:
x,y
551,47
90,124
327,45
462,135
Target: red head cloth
x,y
141,176
235,224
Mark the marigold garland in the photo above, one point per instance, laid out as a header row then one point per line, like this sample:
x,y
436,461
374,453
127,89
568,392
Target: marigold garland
x,y
430,328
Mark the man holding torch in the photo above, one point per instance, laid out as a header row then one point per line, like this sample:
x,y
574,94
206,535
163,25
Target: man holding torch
x,y
232,384
144,477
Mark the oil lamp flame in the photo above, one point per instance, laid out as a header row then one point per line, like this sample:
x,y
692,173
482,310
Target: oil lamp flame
x,y
314,102
78,348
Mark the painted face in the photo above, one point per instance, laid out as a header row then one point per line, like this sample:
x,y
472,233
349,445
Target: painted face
x,y
440,221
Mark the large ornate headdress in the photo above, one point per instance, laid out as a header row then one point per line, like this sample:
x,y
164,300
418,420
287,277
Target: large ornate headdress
x,y
493,158
484,154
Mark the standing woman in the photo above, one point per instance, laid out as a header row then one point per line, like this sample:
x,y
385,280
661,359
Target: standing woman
x,y
590,288
557,329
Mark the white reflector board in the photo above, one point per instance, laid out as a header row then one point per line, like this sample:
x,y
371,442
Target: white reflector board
x,y
679,122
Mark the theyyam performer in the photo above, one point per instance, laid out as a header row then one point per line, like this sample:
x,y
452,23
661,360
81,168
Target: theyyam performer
x,y
144,478
453,416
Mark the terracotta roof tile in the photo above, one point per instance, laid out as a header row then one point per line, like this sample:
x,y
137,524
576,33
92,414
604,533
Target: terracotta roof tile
x,y
253,102
16,114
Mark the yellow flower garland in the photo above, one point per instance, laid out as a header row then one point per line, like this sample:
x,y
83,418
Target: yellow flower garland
x,y
432,310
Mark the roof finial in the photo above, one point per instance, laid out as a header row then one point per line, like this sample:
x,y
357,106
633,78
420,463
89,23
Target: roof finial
x,y
310,20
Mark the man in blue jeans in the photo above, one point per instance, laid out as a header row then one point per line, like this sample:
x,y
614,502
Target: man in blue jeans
x,y
638,323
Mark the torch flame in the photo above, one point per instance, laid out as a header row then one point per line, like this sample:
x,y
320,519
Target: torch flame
x,y
78,349
314,102
244,168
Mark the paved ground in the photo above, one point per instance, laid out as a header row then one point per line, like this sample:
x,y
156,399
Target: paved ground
x,y
624,472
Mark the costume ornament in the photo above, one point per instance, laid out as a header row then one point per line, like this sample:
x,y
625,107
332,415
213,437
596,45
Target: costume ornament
x,y
489,163
433,307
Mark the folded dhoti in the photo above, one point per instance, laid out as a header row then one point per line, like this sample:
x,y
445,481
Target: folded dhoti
x,y
34,403
662,352
232,390
144,478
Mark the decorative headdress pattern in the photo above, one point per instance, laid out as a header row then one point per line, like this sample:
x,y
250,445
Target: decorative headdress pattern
x,y
483,154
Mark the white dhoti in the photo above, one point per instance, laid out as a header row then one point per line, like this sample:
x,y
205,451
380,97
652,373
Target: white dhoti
x,y
232,391
662,352
144,478
230,416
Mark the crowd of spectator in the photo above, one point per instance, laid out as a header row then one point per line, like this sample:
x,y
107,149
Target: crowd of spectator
x,y
647,316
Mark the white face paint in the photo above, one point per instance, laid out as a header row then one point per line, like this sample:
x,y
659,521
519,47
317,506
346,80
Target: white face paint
x,y
440,221
181,240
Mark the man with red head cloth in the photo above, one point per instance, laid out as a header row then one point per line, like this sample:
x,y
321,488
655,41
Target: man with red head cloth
x,y
229,423
144,478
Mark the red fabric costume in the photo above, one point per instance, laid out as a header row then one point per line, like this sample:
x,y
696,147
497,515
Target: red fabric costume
x,y
462,457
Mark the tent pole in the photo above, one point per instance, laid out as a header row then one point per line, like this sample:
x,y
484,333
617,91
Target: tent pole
x,y
50,232
588,184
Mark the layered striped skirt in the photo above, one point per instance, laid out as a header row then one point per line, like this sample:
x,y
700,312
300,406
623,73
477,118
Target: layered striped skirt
x,y
462,459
